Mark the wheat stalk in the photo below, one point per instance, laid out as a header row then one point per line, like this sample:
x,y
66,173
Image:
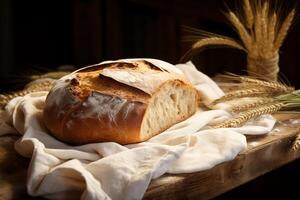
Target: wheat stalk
x,y
252,92
244,35
247,80
271,36
264,27
284,29
259,34
251,114
258,88
278,87
256,103
257,26
217,41
248,14
272,29
266,106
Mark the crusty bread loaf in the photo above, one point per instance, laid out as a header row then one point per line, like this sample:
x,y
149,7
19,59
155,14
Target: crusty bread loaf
x,y
124,102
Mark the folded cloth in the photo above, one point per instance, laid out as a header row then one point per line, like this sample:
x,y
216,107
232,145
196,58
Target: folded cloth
x,y
112,171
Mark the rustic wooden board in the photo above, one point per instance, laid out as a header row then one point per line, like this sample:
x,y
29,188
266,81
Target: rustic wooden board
x,y
264,154
13,170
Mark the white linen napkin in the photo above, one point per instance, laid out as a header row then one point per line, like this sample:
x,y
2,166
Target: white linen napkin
x,y
112,171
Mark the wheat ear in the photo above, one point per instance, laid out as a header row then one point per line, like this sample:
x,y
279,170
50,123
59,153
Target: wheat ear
x,y
217,41
284,29
278,87
264,28
252,92
257,27
271,35
244,35
248,14
272,28
251,114
254,104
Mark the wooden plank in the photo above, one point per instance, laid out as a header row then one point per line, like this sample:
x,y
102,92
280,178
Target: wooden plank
x,y
13,170
264,154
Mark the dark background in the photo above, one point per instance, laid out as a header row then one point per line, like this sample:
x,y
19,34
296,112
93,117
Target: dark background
x,y
42,35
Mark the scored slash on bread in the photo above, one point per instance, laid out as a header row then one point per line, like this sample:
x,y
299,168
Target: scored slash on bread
x,y
124,102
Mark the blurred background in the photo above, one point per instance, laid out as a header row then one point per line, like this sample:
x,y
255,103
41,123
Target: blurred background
x,y
44,35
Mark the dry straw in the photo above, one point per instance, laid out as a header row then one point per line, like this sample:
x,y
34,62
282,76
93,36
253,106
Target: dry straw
x,y
261,34
44,83
37,87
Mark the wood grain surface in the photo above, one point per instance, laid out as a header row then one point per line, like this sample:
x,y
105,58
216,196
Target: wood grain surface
x,y
264,154
13,170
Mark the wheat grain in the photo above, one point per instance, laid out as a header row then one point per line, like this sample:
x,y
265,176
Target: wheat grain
x,y
248,14
244,35
217,41
251,114
284,29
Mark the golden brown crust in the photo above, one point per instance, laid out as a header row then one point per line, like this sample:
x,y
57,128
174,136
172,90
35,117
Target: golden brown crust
x,y
93,116
94,81
116,122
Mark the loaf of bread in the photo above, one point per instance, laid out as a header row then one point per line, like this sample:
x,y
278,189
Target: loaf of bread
x,y
124,102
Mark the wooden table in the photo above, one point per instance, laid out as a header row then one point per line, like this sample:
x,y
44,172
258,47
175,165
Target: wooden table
x,y
264,154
